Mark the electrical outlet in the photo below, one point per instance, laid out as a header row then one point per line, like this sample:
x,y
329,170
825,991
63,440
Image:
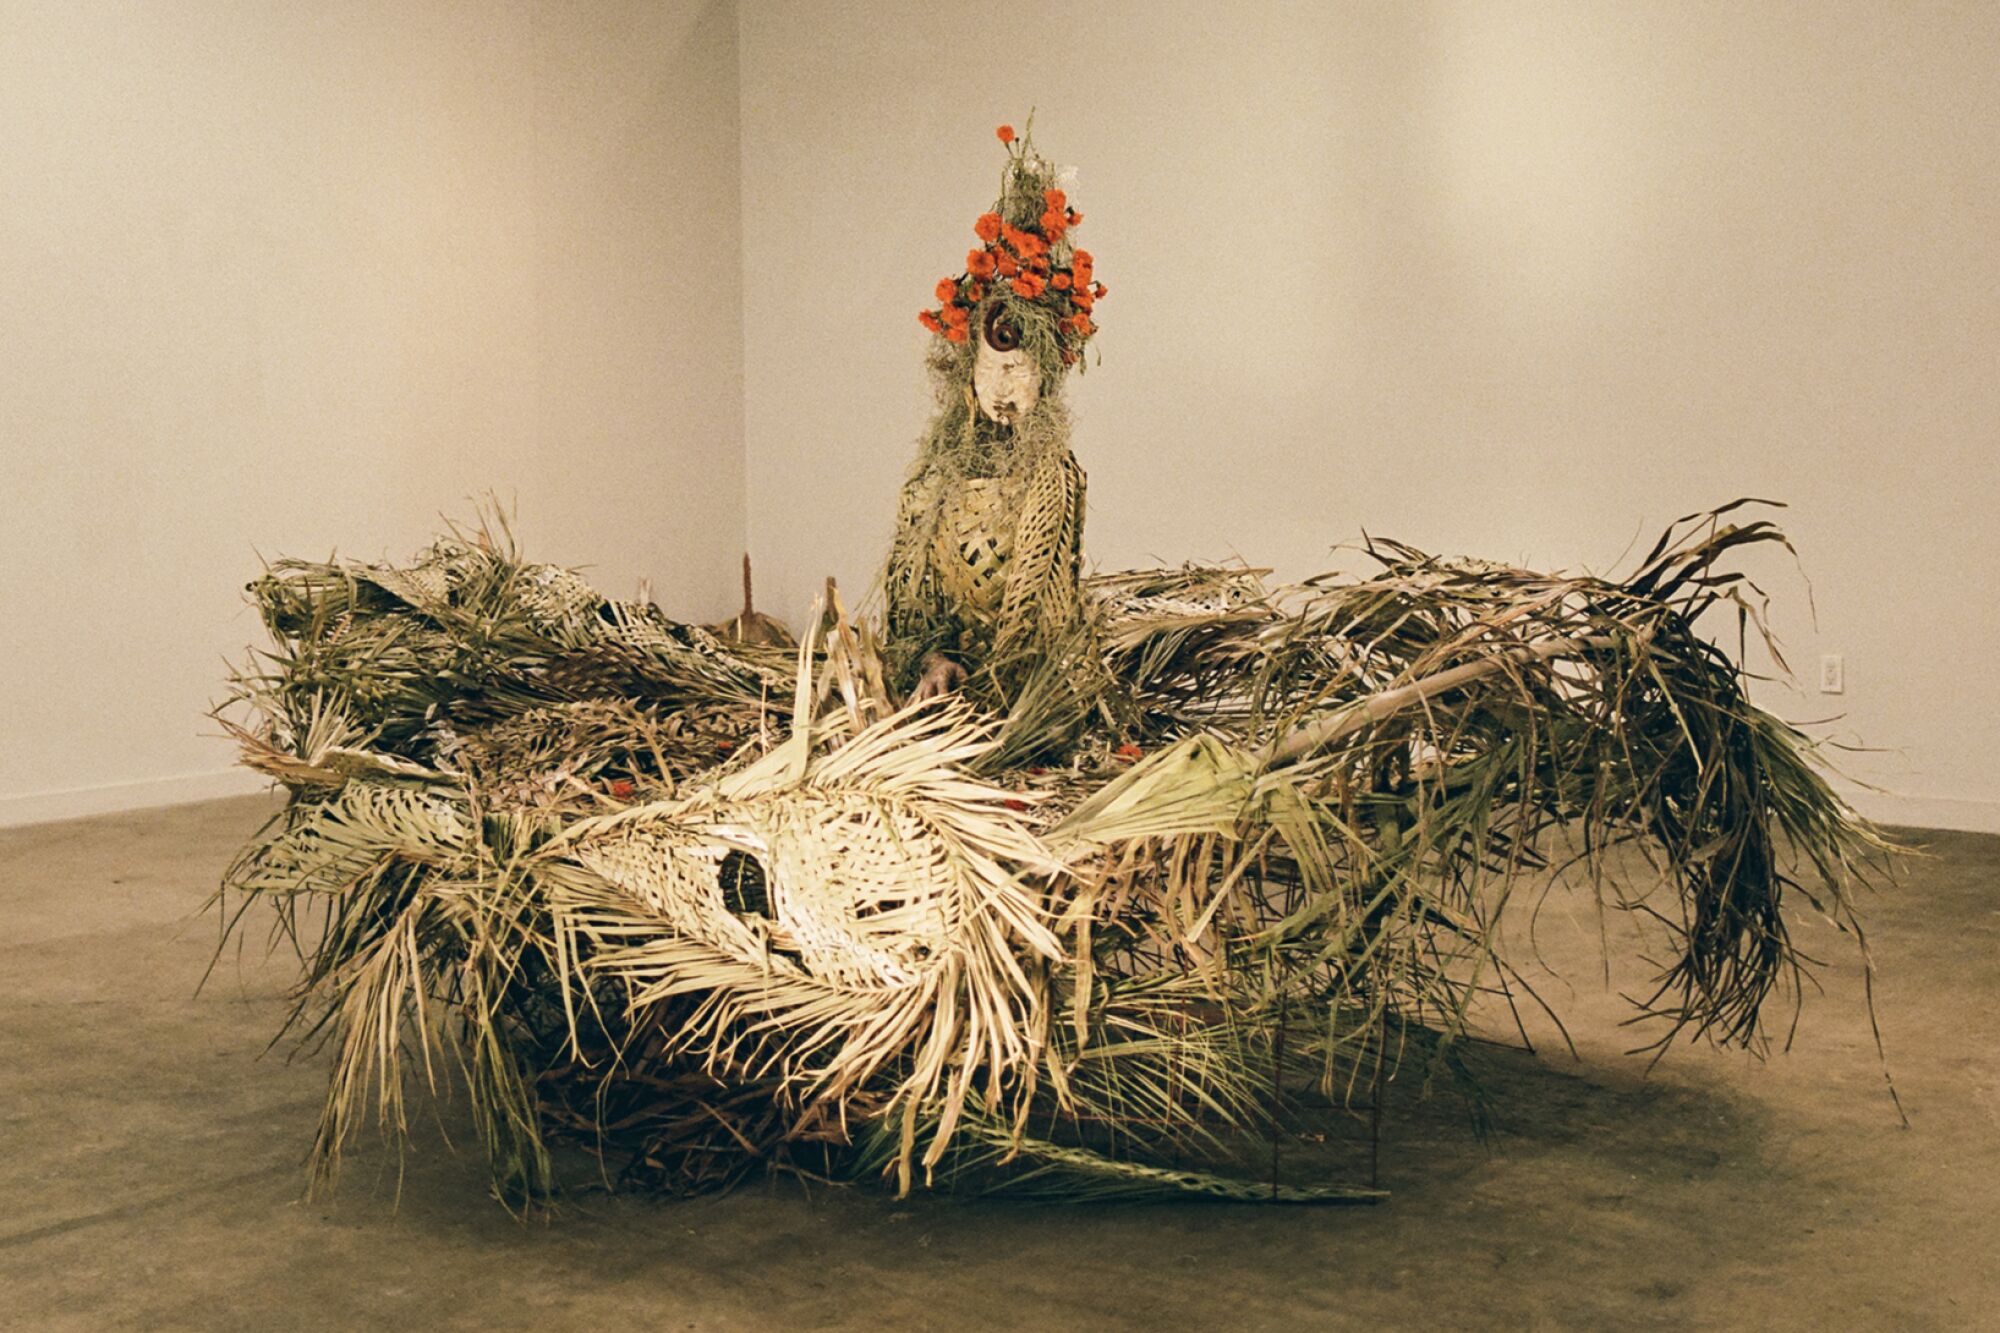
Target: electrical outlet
x,y
1833,674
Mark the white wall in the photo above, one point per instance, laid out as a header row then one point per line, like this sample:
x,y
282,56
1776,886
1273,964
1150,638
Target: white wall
x,y
1524,281
282,278
1520,281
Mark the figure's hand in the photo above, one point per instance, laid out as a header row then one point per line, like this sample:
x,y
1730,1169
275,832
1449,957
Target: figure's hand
x,y
941,676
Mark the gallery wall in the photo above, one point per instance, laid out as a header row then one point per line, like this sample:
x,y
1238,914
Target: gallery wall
x,y
1526,282
286,279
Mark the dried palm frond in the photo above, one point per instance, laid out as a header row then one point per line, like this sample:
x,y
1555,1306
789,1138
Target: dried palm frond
x,y
1230,852
896,931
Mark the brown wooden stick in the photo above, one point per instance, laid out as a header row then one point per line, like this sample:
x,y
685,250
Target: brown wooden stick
x,y
1365,712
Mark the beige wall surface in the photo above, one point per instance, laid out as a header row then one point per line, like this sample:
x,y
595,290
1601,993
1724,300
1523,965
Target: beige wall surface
x,y
288,278
1518,281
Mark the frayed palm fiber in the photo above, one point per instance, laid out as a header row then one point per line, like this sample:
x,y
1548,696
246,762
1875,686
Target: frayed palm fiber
x,y
709,908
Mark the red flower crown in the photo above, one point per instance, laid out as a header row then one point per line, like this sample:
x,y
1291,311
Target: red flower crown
x,y
1037,262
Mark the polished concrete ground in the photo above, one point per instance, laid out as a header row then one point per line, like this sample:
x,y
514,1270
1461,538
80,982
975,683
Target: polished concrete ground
x,y
150,1165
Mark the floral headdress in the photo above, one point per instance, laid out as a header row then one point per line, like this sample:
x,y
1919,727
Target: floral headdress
x,y
1028,267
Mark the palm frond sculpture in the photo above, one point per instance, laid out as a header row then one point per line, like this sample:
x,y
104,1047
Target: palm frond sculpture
x,y
1072,886
636,897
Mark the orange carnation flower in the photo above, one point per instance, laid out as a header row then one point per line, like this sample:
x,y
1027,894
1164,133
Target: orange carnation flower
x,y
1007,264
976,292
988,227
1099,290
1028,285
1053,225
955,334
1060,281
955,316
1024,243
979,263
1006,133
1083,259
946,289
1055,199
929,320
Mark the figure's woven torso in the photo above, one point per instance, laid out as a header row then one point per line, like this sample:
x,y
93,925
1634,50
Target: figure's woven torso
x,y
989,566
972,547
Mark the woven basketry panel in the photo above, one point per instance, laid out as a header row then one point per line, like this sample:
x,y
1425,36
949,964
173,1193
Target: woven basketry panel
x,y
427,583
827,862
972,546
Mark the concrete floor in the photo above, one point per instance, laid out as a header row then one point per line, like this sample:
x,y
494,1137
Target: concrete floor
x,y
150,1165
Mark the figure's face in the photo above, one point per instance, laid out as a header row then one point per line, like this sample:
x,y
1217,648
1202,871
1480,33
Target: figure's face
x,y
1005,379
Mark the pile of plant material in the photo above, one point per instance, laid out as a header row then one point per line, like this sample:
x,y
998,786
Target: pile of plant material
x,y
710,907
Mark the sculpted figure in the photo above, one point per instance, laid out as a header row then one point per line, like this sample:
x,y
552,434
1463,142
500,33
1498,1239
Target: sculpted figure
x,y
982,581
